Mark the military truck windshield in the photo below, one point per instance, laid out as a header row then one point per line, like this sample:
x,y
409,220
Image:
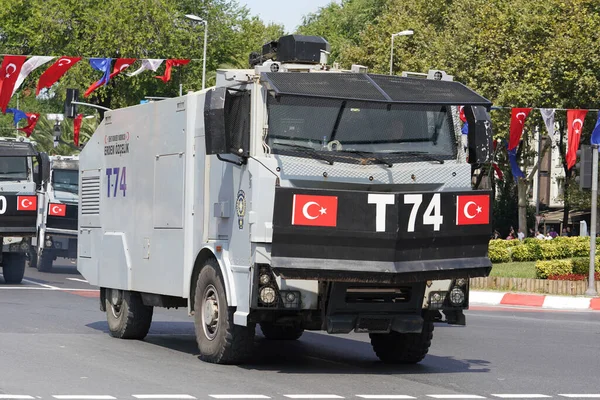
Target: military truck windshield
x,y
13,168
350,128
66,180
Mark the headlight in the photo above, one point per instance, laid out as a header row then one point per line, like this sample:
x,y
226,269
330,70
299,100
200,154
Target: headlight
x,y
461,282
267,295
457,296
264,279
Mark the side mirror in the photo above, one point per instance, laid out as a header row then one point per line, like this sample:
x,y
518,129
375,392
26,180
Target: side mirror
x,y
480,135
227,122
214,122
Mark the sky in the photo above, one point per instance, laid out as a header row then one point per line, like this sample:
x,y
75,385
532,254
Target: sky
x,y
286,12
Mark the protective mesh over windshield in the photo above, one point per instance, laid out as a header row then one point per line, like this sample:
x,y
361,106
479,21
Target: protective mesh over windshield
x,y
16,149
332,126
371,87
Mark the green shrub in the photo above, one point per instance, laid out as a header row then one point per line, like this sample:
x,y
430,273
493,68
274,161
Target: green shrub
x,y
523,253
551,251
553,267
582,265
504,243
498,254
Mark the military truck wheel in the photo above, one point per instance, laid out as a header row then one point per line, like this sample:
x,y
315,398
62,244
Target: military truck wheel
x,y
403,348
13,267
281,332
126,314
219,340
44,261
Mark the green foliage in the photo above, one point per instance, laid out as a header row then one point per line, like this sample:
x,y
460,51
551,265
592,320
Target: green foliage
x,y
582,265
544,269
514,270
499,254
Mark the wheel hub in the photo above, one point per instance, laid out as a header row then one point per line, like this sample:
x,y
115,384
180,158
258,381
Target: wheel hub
x,y
210,312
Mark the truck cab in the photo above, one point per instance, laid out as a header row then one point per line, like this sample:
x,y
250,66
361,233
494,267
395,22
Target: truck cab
x,y
19,183
57,214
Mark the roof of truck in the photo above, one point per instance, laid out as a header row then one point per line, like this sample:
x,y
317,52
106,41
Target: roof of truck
x,y
12,148
372,87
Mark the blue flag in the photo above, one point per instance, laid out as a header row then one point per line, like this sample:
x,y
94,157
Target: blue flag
x,y
465,128
102,65
512,157
18,115
596,131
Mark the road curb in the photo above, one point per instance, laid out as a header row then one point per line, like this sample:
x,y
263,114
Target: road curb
x,y
534,300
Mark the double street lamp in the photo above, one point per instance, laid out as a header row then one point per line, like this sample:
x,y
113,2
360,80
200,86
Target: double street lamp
x,y
403,33
198,19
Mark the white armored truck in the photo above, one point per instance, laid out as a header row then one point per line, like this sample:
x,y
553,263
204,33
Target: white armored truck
x,y
57,214
19,183
294,196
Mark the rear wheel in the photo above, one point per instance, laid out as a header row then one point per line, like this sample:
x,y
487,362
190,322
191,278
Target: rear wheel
x,y
44,261
403,348
281,332
13,267
219,340
126,314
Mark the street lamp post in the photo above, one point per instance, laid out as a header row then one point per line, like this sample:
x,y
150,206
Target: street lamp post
x,y
198,19
403,33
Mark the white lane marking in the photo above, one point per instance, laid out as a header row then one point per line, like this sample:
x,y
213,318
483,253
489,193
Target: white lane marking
x,y
582,396
313,396
83,397
521,396
455,396
163,396
385,396
239,396
77,280
41,284
15,396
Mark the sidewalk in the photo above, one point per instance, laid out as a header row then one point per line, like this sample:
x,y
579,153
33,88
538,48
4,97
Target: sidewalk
x,y
493,298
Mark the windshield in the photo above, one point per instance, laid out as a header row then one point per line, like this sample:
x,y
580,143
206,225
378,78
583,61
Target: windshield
x,y
393,131
66,180
13,168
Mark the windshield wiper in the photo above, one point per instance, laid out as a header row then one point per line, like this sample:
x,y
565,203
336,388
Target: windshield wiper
x,y
422,154
369,155
307,149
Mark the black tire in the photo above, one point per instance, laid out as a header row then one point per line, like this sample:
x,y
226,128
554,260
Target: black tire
x,y
129,319
281,332
219,340
13,268
44,261
403,348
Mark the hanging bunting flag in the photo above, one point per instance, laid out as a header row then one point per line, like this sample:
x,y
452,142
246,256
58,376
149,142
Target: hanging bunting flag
x,y
548,117
574,125
120,65
514,166
102,65
517,122
76,127
596,132
9,73
55,72
18,115
30,65
495,164
151,64
465,129
32,120
171,63
461,113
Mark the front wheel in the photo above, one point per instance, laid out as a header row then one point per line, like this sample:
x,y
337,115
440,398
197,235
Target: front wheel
x,y
219,340
403,348
127,316
13,268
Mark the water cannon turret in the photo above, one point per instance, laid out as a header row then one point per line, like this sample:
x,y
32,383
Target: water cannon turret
x,y
298,49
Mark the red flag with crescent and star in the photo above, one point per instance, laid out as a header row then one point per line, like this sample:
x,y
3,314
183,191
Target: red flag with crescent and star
x,y
574,125
517,122
55,71
121,64
9,73
170,64
32,119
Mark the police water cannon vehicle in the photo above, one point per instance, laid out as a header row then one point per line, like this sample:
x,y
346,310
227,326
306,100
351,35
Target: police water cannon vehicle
x,y
292,195
19,183
57,214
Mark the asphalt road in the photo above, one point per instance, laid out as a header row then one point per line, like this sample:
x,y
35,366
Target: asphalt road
x,y
54,344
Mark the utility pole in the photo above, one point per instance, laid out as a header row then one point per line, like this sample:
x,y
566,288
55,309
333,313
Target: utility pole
x,y
592,286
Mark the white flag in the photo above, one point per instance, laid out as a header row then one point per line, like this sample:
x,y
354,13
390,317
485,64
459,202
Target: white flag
x,y
147,64
548,116
28,67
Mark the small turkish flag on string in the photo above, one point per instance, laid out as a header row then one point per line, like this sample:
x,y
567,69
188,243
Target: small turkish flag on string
x,y
76,128
517,122
314,210
58,210
171,63
55,71
473,209
9,73
574,125
32,119
121,64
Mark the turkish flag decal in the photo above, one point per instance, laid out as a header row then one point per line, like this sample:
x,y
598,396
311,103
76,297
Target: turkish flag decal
x,y
58,210
473,210
26,203
314,210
